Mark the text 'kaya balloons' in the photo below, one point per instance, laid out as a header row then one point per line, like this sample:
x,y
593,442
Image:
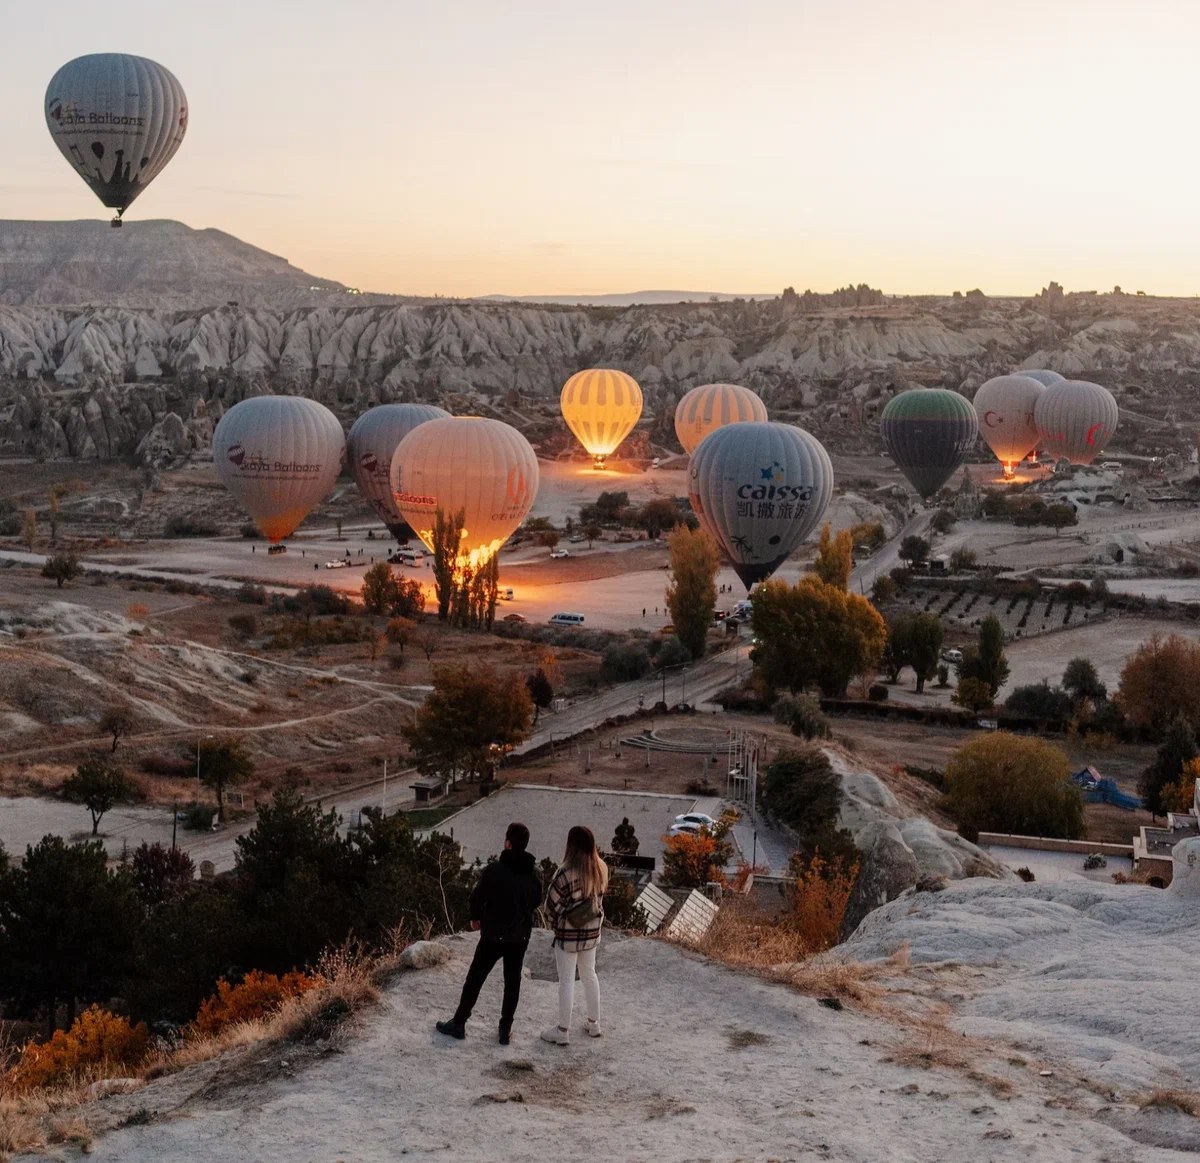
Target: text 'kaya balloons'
x,y
118,119
712,406
928,433
759,489
1075,419
483,467
601,406
1004,407
279,456
372,443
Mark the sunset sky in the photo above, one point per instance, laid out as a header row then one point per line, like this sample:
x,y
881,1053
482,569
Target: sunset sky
x,y
564,147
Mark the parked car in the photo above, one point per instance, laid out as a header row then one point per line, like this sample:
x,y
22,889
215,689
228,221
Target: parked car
x,y
720,615
576,538
700,819
559,553
514,618
952,656
685,829
337,563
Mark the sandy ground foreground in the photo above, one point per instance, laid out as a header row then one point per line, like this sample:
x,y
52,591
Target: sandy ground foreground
x,y
699,1062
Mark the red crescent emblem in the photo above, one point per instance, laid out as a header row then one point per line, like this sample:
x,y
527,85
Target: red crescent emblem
x,y
987,419
1091,434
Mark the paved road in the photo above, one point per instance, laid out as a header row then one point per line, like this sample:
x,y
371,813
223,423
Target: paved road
x,y
887,556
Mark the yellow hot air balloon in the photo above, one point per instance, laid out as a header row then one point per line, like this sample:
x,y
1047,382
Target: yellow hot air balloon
x,y
483,467
601,406
712,406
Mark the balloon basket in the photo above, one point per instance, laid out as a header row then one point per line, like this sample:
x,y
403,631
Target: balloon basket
x,y
116,223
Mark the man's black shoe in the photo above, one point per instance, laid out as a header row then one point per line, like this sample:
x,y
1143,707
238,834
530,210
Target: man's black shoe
x,y
452,1029
504,1032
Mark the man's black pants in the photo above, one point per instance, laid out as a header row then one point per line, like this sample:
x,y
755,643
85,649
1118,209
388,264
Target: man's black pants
x,y
487,953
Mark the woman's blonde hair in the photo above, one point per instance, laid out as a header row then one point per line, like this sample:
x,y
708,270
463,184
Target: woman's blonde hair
x,y
583,860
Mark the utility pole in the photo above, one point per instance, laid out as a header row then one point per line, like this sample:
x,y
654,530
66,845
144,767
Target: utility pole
x,y
385,786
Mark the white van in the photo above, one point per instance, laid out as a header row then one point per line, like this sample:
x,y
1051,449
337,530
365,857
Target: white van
x,y
566,619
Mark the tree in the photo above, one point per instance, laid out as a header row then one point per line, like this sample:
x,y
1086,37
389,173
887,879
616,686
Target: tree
x,y
1175,752
447,534
883,590
116,721
1041,701
591,530
471,718
160,873
914,549
222,762
29,529
99,784
625,839
625,661
694,860
659,514
835,557
62,567
607,508
916,641
801,789
986,660
1082,683
541,693
972,693
692,591
814,633
1160,682
67,927
962,559
1001,782
943,521
1180,796
548,538
378,588
399,631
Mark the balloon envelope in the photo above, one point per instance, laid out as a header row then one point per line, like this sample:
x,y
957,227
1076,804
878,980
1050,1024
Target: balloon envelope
x,y
1075,419
712,406
372,443
1004,407
118,119
484,467
279,456
759,489
601,406
1043,377
928,432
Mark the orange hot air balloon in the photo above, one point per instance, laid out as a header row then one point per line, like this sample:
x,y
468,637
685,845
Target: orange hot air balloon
x,y
601,406
485,468
711,406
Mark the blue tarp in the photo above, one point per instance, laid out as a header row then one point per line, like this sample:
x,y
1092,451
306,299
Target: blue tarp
x,y
1098,790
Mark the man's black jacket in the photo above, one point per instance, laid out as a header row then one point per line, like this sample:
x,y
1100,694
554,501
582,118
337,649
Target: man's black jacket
x,y
506,897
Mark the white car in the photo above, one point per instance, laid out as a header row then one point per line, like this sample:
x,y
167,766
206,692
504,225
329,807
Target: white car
x,y
559,553
337,563
699,819
954,657
685,829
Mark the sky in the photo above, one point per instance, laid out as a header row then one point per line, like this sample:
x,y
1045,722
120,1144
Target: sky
x,y
567,147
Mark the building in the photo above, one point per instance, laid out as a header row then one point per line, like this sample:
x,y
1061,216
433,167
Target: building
x,y
1152,846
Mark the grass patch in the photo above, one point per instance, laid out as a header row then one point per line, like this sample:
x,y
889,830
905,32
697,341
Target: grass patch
x,y
1187,1101
421,818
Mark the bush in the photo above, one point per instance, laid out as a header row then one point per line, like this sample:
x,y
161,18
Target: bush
x,y
96,1039
255,997
1040,701
243,625
625,662
801,790
1026,874
701,787
672,652
189,527
156,763
802,713
251,595
197,817
877,693
619,908
819,898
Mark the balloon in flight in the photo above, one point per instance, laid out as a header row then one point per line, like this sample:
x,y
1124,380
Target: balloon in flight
x,y
711,406
279,456
370,446
1004,407
601,406
928,433
759,489
1043,377
118,119
1075,419
483,467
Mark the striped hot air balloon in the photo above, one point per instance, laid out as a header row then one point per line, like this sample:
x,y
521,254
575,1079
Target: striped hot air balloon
x,y
118,119
928,433
601,406
711,406
1075,419
1043,377
279,456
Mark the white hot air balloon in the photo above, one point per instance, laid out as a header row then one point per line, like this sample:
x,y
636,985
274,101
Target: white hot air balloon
x,y
279,456
759,489
1043,377
118,119
712,406
372,443
1005,406
601,406
485,468
1075,419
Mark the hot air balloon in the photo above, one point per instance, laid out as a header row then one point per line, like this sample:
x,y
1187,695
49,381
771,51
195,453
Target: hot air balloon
x,y
118,119
369,449
484,467
711,406
1075,419
759,489
1004,407
279,456
601,406
928,433
1043,377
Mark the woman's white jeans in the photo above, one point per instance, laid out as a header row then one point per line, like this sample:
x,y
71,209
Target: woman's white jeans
x,y
566,961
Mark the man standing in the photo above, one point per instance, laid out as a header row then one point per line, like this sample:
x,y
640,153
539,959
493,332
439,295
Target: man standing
x,y
502,907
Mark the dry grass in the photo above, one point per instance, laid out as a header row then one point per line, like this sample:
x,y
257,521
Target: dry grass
x,y
1187,1101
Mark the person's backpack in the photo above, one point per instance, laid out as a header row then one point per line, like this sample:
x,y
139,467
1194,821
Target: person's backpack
x,y
582,914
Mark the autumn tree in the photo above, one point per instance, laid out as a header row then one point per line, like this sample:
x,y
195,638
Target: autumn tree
x,y
1017,784
1161,682
972,693
378,588
471,719
29,529
116,721
447,534
835,557
99,784
62,567
986,660
1175,752
916,641
399,631
692,591
813,633
1180,796
222,762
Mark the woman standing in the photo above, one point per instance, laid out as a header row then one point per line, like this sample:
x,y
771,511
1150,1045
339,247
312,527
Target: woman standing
x,y
575,903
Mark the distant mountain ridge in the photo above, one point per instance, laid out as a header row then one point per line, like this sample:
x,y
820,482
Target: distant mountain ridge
x,y
150,263
630,298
